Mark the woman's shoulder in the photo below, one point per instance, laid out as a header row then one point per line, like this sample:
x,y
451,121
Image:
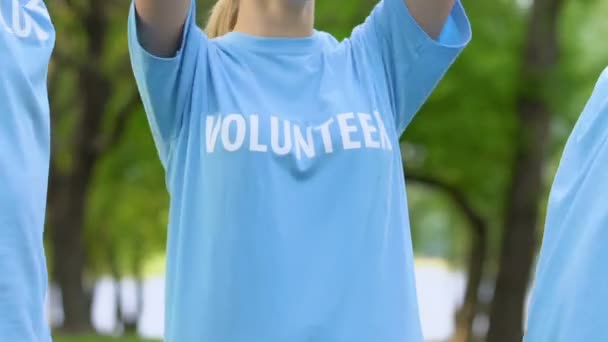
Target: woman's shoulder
x,y
329,41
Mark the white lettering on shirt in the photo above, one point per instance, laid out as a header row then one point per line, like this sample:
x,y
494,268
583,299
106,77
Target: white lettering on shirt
x,y
346,130
254,136
363,131
233,145
303,145
326,135
23,25
385,141
212,131
368,130
274,136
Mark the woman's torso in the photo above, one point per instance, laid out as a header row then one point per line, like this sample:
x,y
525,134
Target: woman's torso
x,y
288,201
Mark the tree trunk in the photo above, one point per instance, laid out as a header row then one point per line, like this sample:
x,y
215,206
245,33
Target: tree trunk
x,y
131,322
69,256
522,212
69,186
470,306
112,260
67,206
119,326
475,268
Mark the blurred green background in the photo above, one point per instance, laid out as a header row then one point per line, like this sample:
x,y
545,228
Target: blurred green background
x,y
479,158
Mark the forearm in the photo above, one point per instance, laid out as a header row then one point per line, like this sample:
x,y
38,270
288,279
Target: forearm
x,y
160,24
431,15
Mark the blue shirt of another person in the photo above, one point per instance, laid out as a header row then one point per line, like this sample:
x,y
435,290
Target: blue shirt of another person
x,y
26,40
289,217
569,301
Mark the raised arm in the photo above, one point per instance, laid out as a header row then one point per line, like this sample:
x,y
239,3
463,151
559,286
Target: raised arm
x,y
431,15
168,56
411,44
160,25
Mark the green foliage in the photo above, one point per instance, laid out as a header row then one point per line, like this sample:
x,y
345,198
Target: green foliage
x,y
464,135
128,204
126,212
441,231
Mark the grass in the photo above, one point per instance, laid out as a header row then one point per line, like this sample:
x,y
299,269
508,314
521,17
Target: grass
x,y
92,338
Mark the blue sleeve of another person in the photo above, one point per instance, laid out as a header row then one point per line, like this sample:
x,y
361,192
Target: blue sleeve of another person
x,y
410,63
571,284
165,84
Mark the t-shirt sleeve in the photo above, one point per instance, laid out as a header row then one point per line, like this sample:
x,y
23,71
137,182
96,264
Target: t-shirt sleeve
x,y
405,59
165,84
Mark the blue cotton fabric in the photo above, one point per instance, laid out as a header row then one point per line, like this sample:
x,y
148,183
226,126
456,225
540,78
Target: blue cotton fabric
x,y
289,217
26,41
571,289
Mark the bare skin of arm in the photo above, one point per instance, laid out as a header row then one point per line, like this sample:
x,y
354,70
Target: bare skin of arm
x,y
160,25
431,15
161,22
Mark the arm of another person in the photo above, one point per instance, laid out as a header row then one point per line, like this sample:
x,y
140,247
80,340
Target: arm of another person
x,y
410,44
166,49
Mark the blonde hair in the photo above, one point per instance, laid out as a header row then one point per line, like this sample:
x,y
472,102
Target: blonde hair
x,y
222,18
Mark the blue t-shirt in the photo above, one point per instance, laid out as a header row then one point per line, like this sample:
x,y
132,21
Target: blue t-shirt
x,y
288,217
26,41
570,298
